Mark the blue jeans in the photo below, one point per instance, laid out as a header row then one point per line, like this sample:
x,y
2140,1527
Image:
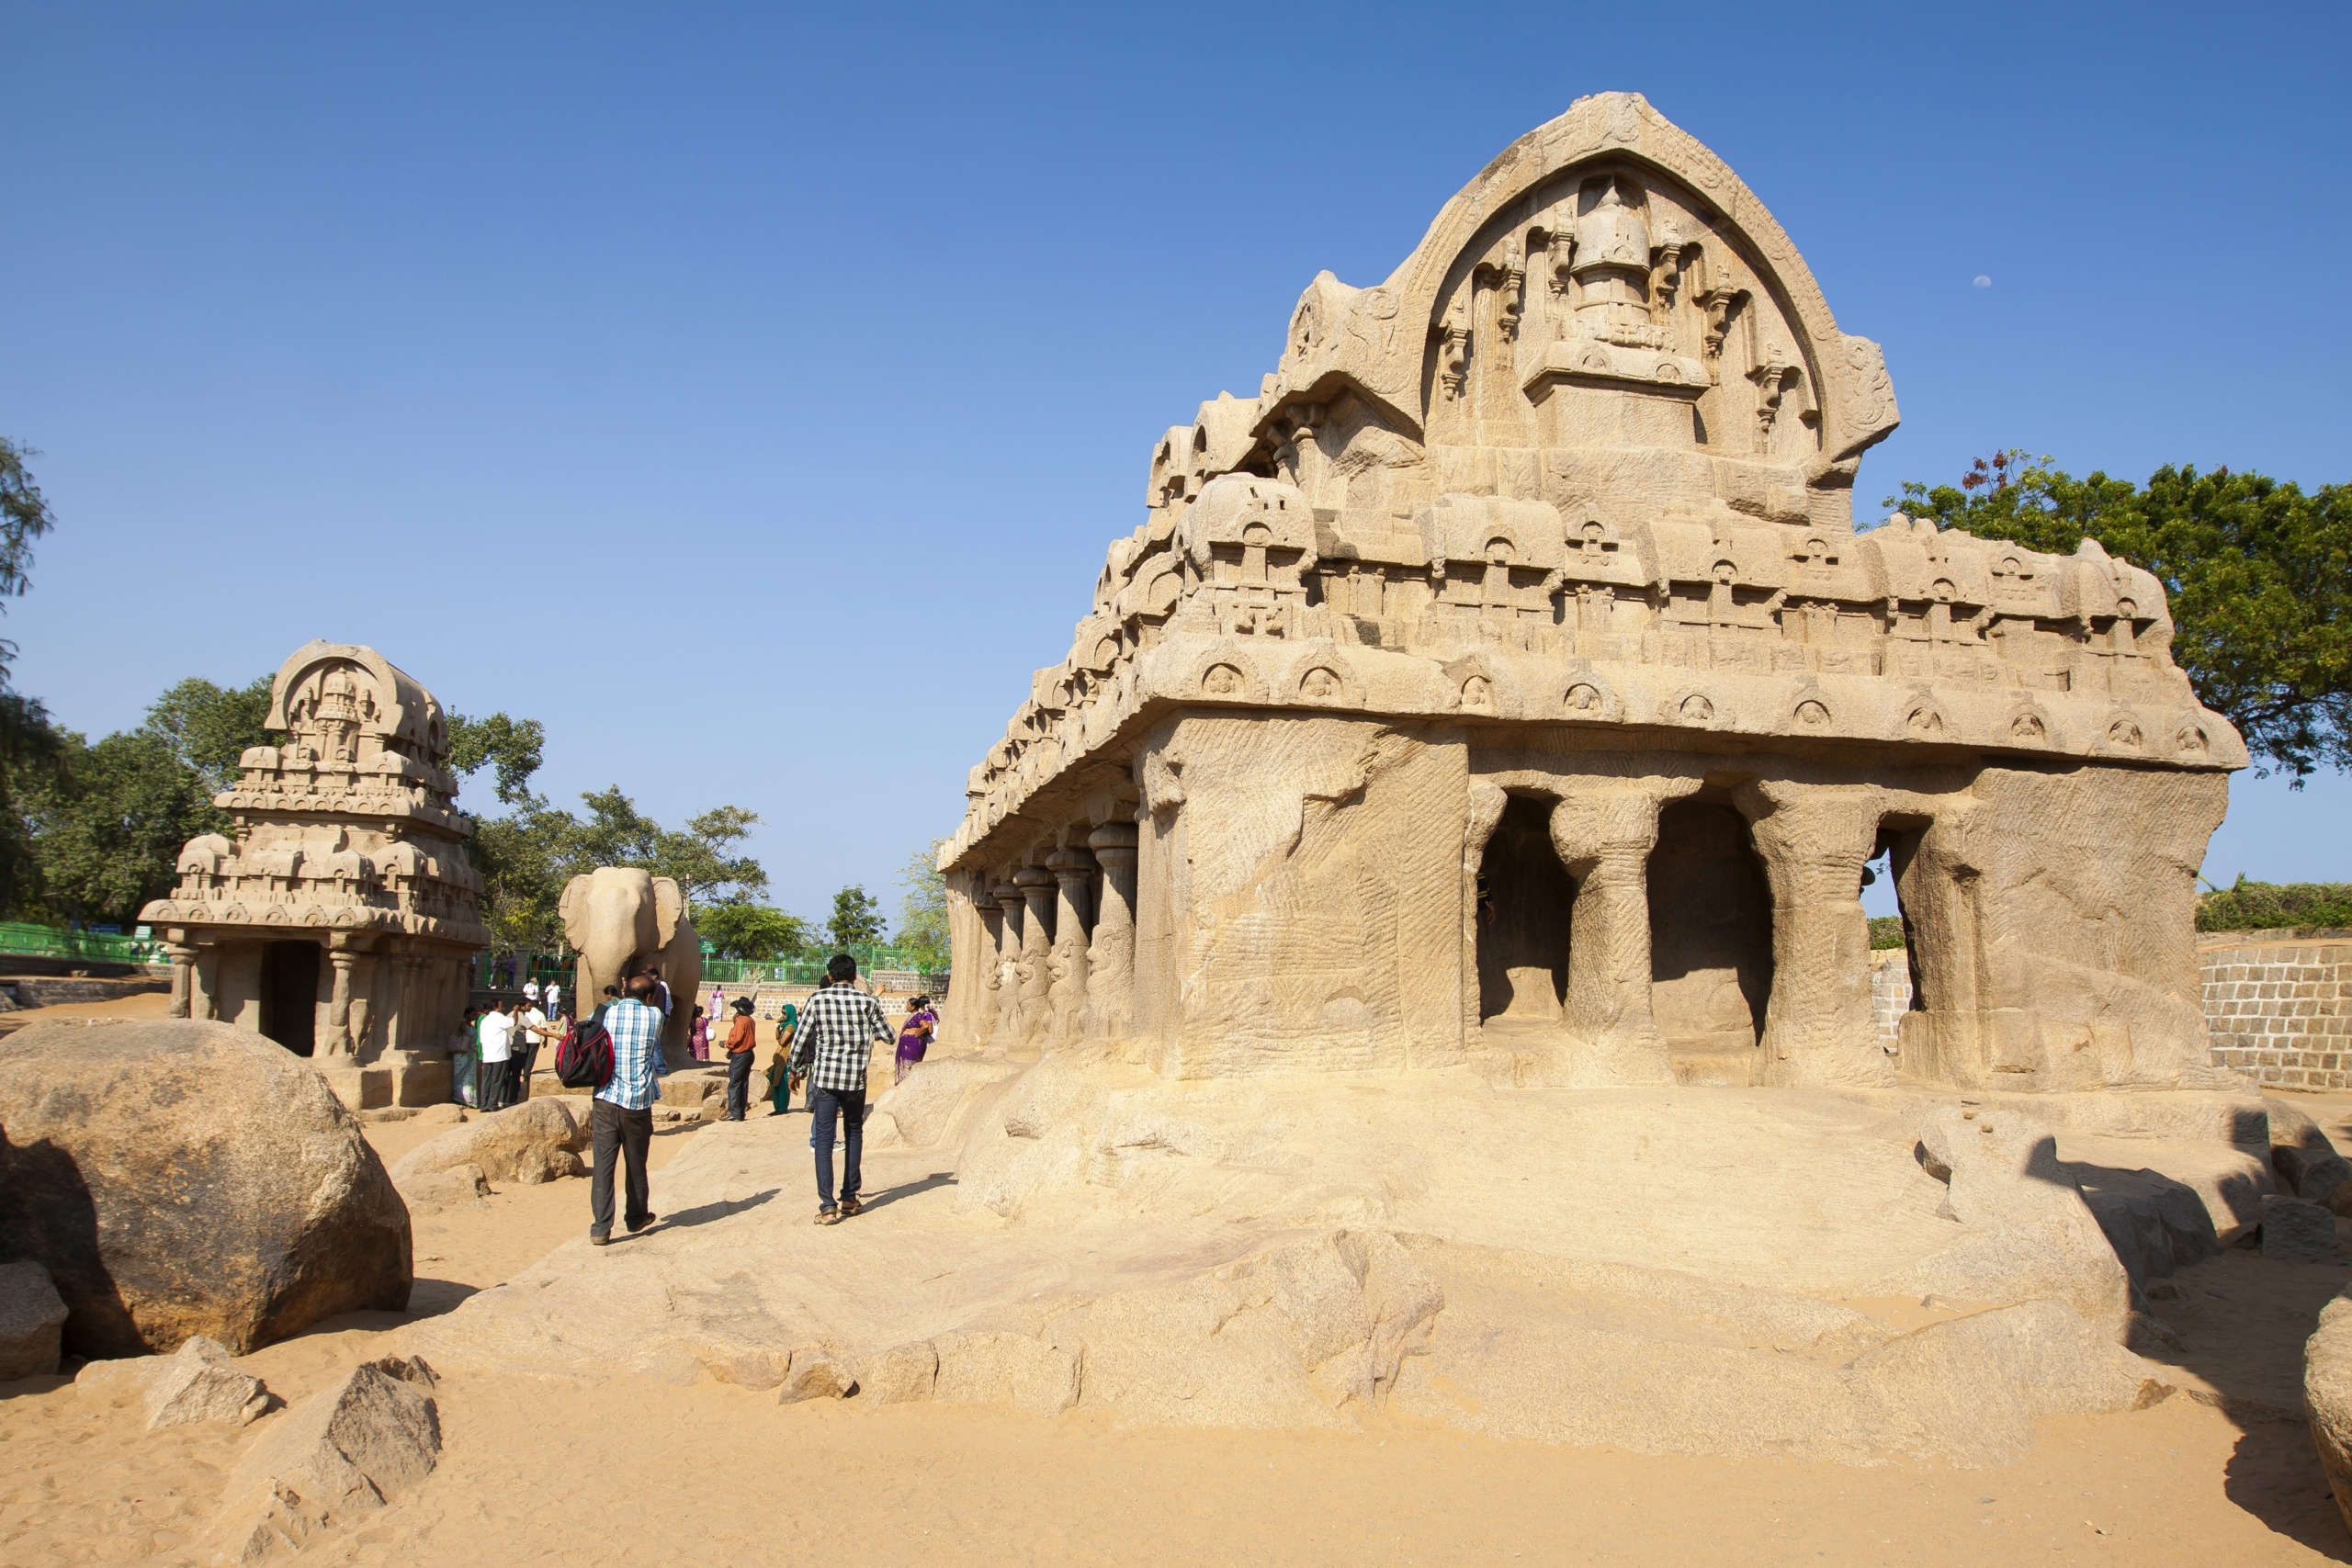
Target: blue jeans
x,y
849,1105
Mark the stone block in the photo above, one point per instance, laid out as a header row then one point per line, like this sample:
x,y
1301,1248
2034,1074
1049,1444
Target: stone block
x,y
2296,1231
32,1315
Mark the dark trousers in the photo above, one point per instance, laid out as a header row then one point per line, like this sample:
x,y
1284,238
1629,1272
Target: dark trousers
x,y
497,1077
525,1060
616,1132
738,1081
824,1104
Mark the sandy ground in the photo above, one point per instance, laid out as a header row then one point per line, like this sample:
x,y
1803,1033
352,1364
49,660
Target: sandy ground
x,y
631,1471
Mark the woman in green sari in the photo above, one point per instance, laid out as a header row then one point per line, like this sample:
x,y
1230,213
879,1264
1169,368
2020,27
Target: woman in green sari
x,y
787,1024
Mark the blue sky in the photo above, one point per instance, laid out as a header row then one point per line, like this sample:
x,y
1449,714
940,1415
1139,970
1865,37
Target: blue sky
x,y
749,392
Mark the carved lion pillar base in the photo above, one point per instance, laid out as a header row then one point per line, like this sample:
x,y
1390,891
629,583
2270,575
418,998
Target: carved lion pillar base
x,y
1604,839
1814,839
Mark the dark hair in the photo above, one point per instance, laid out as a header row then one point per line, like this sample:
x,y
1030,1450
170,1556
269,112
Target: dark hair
x,y
916,1004
742,1005
611,991
698,1013
840,968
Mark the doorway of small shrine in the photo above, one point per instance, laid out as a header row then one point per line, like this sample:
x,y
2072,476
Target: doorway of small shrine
x,y
1524,897
289,995
1710,941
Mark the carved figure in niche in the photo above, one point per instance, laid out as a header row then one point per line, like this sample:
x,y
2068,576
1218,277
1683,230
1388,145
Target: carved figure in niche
x,y
1924,720
1321,685
2028,727
1610,268
338,713
1477,693
1584,698
1591,543
1812,712
1697,708
1222,681
2123,732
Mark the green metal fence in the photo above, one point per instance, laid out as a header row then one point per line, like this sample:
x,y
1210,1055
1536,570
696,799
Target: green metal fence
x,y
50,941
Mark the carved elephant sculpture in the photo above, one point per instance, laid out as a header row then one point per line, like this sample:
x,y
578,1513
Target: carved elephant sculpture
x,y
619,920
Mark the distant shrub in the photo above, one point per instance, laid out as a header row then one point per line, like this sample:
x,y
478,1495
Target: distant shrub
x,y
2266,906
1886,931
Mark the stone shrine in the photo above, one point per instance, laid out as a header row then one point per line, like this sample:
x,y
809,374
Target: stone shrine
x,y
1507,684
338,918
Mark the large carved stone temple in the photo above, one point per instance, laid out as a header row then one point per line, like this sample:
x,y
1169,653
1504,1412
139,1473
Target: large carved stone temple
x,y
1507,684
339,916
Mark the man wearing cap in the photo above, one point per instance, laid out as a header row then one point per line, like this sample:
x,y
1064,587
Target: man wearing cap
x,y
743,1042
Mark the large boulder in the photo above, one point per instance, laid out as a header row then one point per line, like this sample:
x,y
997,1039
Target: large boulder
x,y
189,1177
2327,1396
536,1141
32,1315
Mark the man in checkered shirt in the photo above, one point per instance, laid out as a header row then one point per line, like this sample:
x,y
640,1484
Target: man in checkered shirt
x,y
838,1026
621,1118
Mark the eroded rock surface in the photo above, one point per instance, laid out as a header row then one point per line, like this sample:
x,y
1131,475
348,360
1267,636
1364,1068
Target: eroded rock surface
x,y
190,1178
341,1454
539,1140
32,1315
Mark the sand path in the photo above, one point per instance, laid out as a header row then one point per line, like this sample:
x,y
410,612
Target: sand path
x,y
636,1470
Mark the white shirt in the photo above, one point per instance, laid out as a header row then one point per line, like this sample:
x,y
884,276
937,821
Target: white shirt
x,y
525,1020
555,996
531,990
497,1031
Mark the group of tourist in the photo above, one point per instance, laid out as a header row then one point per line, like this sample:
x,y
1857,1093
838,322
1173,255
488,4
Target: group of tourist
x,y
822,1045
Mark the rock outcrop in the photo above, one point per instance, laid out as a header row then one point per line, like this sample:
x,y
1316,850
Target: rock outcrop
x,y
189,1178
2327,1396
199,1382
31,1315
343,1453
2296,1231
2306,1161
539,1140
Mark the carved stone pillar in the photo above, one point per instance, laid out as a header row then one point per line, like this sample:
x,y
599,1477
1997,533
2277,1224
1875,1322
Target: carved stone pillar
x,y
183,977
1111,959
391,970
1013,915
339,1042
1604,837
1814,840
988,987
1073,872
1035,885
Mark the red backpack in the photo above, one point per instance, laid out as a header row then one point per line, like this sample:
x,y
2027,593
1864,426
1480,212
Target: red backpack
x,y
584,1058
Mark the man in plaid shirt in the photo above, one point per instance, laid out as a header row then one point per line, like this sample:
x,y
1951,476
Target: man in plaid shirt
x,y
838,1026
622,1118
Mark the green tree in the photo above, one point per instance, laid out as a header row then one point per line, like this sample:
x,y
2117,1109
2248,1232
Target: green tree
x,y
754,933
857,918
2258,575
24,517
923,912
107,831
510,747
32,752
208,727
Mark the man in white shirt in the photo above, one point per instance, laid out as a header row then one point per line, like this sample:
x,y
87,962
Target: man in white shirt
x,y
531,992
531,1027
555,999
497,1031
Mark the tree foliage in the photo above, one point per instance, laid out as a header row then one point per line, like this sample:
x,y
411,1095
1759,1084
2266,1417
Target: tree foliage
x,y
754,932
857,918
922,913
108,828
2271,906
208,727
24,517
508,747
2258,575
527,854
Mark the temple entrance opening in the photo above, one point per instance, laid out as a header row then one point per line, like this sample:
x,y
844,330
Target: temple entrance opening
x,y
1899,843
1710,941
1524,894
289,995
